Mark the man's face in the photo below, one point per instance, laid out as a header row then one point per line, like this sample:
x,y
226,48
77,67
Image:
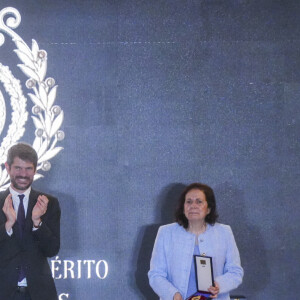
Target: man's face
x,y
21,174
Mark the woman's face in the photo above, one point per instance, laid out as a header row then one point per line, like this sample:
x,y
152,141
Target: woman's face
x,y
195,206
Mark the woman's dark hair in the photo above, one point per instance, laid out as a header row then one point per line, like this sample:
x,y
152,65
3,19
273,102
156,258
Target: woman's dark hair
x,y
211,218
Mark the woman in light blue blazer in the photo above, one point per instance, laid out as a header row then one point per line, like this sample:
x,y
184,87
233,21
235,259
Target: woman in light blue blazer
x,y
196,232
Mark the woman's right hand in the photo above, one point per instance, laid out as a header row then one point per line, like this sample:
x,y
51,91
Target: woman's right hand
x,y
177,296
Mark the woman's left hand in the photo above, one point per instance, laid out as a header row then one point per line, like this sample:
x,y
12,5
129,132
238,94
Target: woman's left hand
x,y
214,290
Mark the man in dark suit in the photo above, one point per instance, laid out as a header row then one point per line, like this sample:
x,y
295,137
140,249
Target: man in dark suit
x,y
29,231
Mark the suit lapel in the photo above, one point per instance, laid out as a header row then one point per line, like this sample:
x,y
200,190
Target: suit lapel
x,y
4,195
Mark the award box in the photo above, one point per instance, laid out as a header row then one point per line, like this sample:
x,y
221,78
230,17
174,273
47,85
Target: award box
x,y
204,277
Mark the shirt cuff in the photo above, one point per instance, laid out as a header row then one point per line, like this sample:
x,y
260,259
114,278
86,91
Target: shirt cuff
x,y
36,228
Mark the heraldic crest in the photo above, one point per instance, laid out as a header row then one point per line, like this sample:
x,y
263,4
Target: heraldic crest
x,y
46,116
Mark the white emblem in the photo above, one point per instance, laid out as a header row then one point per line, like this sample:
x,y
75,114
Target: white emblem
x,y
47,117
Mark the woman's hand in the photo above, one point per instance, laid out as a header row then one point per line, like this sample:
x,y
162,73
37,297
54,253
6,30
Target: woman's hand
x,y
177,296
214,290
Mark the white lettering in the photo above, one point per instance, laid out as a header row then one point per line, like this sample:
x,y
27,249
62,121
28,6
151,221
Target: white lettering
x,y
53,268
98,265
70,268
89,262
64,269
79,268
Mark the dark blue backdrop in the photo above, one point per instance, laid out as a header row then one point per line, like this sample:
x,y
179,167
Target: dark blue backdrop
x,y
158,94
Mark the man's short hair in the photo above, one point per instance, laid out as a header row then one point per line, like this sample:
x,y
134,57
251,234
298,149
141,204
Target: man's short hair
x,y
24,152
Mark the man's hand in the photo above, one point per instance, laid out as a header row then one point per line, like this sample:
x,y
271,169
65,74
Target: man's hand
x,y
177,296
39,209
9,212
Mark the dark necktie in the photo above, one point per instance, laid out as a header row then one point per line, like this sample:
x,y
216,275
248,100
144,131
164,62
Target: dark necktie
x,y
21,222
21,214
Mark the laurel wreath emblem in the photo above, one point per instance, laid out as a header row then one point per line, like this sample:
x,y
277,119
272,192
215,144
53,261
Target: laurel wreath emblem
x,y
46,117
